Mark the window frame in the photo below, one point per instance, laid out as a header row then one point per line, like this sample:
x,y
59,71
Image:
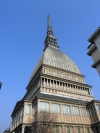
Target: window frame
x,y
75,112
28,109
58,108
99,108
46,109
66,111
68,129
57,129
84,113
78,130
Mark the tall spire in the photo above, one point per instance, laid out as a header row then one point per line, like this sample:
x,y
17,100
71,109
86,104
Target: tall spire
x,y
49,28
50,39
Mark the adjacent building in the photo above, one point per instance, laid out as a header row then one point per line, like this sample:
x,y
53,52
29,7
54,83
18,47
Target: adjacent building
x,y
94,49
0,85
57,87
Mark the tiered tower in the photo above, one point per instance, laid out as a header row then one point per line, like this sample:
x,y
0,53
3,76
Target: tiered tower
x,y
57,87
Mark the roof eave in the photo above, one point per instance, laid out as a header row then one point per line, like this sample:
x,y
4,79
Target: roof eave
x,y
94,35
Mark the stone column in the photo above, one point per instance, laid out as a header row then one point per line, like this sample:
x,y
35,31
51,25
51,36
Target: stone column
x,y
63,128
71,114
40,81
74,129
97,113
80,112
53,84
66,87
75,88
91,92
50,83
44,82
23,129
56,85
61,113
59,85
84,129
83,91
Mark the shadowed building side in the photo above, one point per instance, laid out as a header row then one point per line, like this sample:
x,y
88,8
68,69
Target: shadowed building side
x,y
94,49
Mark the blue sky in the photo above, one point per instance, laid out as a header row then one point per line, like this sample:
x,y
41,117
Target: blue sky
x,y
23,25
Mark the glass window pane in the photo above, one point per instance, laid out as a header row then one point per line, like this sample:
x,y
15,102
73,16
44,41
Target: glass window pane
x,y
75,111
66,109
99,108
44,106
84,112
88,131
28,109
57,129
56,108
78,130
68,130
92,111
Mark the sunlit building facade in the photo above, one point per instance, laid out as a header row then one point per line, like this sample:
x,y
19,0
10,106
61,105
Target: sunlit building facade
x,y
57,86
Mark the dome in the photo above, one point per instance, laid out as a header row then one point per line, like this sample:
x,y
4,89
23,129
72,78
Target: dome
x,y
54,57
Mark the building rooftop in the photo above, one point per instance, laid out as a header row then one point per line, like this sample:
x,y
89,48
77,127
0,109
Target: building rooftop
x,y
94,35
64,99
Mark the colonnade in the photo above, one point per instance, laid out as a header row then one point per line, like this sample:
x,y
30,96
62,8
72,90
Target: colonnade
x,y
58,85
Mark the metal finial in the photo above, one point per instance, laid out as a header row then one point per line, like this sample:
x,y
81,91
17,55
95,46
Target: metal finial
x,y
49,22
49,25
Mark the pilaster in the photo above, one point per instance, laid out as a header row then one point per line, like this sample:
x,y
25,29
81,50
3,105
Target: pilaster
x,y
23,129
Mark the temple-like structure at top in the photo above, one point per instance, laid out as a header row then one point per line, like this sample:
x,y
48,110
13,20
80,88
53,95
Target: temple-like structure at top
x,y
57,88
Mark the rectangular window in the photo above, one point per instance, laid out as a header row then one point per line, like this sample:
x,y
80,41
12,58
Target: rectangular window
x,y
99,108
44,106
88,131
68,130
34,107
28,109
66,109
78,130
84,112
92,111
75,110
57,129
56,108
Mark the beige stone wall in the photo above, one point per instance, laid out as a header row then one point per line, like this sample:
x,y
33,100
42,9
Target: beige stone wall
x,y
60,117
